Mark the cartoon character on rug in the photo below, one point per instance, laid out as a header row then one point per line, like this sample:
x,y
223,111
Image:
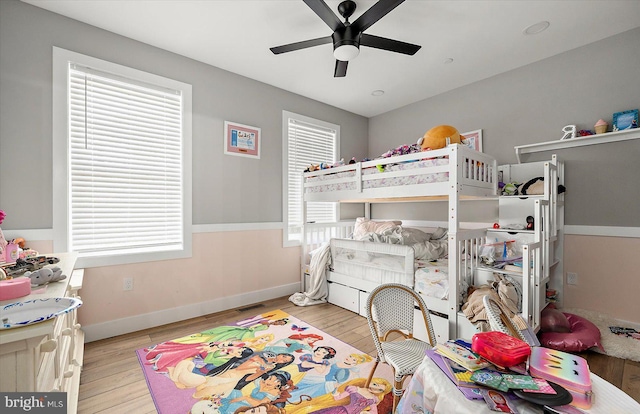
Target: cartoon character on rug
x,y
312,371
222,380
230,333
186,374
295,343
265,408
350,398
170,353
266,389
215,359
342,371
209,405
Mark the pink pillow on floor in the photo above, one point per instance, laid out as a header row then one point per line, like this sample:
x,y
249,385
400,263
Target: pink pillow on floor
x,y
584,335
552,320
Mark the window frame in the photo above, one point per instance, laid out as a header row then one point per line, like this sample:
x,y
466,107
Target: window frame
x,y
61,158
287,240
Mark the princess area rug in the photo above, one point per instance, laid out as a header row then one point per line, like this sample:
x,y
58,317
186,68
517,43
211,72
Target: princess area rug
x,y
273,361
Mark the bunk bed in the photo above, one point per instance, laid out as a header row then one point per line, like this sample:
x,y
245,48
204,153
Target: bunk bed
x,y
452,174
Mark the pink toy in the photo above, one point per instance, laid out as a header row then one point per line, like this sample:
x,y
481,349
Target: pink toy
x,y
582,336
500,349
568,370
15,288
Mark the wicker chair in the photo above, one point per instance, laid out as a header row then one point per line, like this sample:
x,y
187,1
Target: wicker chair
x,y
501,322
390,312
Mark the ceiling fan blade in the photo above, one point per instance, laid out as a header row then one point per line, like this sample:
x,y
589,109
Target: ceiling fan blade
x,y
388,44
301,45
341,69
375,13
325,13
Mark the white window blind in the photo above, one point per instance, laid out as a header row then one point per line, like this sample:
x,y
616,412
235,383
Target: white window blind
x,y
308,142
125,173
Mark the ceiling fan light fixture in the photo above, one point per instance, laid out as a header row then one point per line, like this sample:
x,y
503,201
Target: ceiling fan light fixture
x,y
346,52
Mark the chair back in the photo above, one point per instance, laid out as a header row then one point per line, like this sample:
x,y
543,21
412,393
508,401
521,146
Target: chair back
x,y
392,308
499,321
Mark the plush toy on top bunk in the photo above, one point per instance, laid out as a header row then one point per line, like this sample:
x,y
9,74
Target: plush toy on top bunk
x,y
324,165
439,137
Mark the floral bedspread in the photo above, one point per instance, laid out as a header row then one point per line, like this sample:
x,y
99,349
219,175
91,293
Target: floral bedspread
x,y
386,181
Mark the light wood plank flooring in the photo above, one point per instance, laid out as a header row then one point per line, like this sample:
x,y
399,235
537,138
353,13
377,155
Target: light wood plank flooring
x,y
112,380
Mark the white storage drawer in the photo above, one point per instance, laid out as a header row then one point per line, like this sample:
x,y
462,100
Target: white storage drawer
x,y
344,296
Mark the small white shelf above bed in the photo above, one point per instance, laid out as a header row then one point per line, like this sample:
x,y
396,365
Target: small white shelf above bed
x,y
628,134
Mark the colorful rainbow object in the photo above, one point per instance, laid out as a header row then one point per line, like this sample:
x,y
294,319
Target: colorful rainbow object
x,y
569,371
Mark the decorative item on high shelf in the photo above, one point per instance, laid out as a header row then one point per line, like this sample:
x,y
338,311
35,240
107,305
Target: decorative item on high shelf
x,y
569,132
625,120
601,126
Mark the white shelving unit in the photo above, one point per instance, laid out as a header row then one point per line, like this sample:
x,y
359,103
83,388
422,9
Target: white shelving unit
x,y
542,246
522,151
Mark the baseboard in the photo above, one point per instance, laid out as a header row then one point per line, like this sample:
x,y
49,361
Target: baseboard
x,y
122,326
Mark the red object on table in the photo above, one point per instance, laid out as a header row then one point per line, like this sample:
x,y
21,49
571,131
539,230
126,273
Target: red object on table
x,y
500,349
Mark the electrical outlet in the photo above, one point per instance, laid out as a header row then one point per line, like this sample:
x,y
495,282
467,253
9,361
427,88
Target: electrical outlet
x,y
572,278
127,283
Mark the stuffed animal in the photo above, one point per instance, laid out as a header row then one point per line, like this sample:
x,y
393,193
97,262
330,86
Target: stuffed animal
x,y
439,137
535,186
45,275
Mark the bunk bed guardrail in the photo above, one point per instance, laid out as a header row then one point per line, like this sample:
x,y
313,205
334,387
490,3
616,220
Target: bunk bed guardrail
x,y
455,163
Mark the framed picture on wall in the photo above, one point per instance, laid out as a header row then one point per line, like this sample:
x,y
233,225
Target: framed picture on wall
x,y
625,120
473,139
241,140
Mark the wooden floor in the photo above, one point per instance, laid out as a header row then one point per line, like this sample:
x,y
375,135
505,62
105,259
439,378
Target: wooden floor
x,y
112,380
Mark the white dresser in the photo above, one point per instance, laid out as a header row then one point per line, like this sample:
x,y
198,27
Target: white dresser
x,y
46,356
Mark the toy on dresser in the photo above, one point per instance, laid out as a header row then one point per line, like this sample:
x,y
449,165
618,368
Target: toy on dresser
x,y
568,370
45,275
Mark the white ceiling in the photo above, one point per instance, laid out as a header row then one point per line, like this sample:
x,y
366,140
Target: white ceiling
x,y
484,38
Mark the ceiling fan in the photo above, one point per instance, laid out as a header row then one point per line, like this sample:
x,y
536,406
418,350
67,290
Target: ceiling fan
x,y
347,37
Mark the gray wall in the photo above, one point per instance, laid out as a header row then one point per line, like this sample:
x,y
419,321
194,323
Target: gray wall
x,y
532,104
226,189
523,106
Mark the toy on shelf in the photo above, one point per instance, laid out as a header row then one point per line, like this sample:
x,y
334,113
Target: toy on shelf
x,y
45,275
601,126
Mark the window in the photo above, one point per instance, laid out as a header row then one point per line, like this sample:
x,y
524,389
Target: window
x,y
122,162
306,141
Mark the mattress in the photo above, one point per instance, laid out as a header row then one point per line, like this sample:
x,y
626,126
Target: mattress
x,y
432,279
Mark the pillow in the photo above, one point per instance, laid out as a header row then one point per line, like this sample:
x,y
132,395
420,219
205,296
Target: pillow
x,y
584,335
364,226
552,320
